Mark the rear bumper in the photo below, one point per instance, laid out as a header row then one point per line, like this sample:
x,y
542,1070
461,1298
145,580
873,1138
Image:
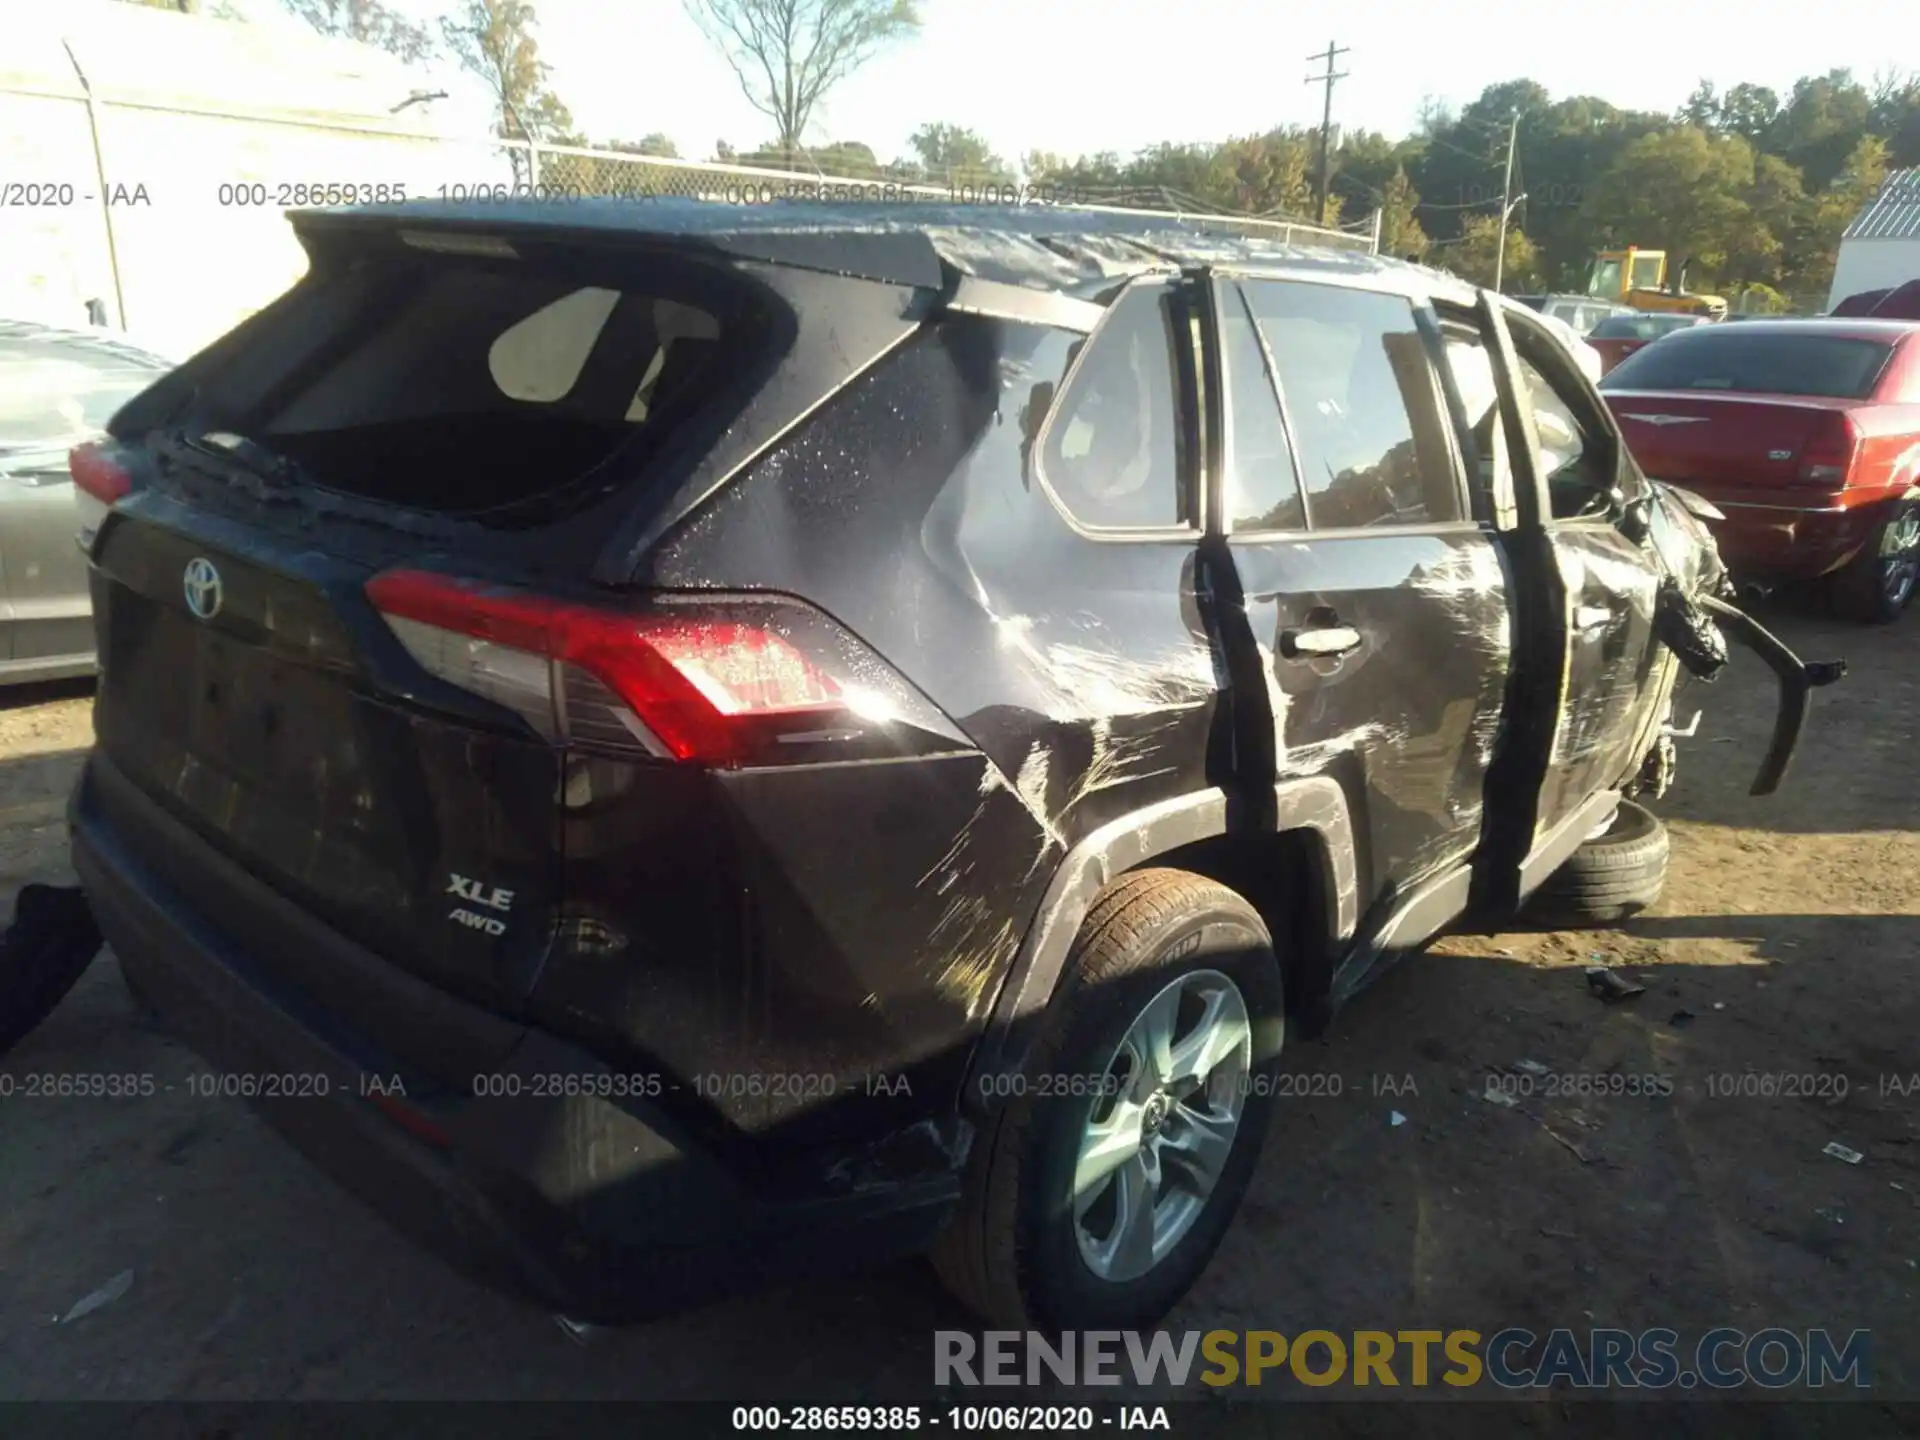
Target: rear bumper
x,y
570,1190
1793,542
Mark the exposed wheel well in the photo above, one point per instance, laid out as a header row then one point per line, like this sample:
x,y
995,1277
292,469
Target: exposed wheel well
x,y
1283,877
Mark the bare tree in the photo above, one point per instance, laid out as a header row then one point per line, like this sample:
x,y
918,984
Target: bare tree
x,y
368,21
787,54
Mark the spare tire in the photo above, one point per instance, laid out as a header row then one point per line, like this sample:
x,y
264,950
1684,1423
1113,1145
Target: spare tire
x,y
1612,875
47,948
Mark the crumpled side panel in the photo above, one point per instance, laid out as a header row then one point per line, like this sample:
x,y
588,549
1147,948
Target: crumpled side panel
x,y
1082,670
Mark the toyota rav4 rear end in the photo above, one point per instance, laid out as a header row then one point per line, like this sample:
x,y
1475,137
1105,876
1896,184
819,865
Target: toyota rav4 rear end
x,y
529,897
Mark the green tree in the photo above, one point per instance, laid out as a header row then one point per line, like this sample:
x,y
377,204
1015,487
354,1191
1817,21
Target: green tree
x,y
1896,116
1367,160
1472,256
848,158
1683,191
1270,174
1756,299
1778,214
1702,107
1834,209
1400,230
656,144
844,159
788,54
1749,111
954,152
1816,130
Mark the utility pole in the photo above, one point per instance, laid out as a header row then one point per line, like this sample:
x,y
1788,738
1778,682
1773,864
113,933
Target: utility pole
x,y
1326,123
1506,205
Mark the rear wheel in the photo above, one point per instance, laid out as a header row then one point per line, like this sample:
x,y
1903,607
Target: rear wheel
x,y
44,951
1879,583
1097,1196
1615,873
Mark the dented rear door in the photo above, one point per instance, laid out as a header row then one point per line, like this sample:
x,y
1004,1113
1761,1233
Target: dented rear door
x,y
1376,597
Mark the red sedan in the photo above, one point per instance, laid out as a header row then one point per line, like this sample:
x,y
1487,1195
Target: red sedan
x,y
1805,433
1618,336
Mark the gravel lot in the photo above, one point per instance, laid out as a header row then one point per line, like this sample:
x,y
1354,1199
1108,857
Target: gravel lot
x,y
1789,933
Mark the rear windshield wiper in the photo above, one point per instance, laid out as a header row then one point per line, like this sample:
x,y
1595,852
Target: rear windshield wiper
x,y
236,449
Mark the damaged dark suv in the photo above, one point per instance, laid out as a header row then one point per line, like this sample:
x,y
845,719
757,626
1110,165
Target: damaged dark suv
x,y
679,745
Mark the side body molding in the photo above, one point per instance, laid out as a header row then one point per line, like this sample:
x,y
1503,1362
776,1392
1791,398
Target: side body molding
x,y
1315,804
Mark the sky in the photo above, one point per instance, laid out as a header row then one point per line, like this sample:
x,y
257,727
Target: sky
x,y
1079,76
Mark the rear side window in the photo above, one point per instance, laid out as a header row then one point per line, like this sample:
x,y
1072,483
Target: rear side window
x,y
1641,327
1112,451
1365,406
1737,359
1264,491
460,388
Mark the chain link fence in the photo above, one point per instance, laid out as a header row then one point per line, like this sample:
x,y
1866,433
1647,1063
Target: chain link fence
x,y
171,218
566,172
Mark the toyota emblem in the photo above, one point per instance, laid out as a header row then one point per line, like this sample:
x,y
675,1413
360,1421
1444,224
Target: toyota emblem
x,y
202,586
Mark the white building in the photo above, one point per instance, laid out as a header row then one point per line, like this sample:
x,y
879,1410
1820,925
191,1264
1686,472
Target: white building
x,y
147,153
1881,248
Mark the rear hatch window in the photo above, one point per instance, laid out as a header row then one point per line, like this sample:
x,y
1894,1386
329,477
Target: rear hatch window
x,y
1738,360
250,690
481,388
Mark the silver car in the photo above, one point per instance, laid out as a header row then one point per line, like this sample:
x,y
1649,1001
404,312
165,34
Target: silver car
x,y
58,388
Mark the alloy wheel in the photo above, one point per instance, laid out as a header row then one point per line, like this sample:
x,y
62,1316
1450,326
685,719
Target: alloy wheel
x,y
1159,1132
1900,558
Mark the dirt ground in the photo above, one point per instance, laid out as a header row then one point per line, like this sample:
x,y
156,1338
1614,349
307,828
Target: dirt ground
x,y
1790,932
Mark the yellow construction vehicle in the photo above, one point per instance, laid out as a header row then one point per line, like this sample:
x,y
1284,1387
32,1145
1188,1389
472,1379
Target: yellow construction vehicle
x,y
1638,278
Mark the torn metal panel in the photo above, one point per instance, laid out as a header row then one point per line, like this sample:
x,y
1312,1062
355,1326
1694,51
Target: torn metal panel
x,y
1689,630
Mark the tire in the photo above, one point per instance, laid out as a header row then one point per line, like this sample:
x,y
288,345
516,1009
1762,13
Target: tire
x,y
1611,877
1878,584
1017,1254
44,951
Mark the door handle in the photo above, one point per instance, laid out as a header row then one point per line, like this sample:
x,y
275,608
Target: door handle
x,y
1328,640
1592,617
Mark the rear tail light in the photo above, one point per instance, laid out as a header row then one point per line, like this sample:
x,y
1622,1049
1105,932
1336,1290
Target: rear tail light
x,y
1828,457
728,682
99,479
96,472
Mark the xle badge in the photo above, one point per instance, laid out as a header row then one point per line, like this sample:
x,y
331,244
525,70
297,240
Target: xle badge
x,y
493,899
